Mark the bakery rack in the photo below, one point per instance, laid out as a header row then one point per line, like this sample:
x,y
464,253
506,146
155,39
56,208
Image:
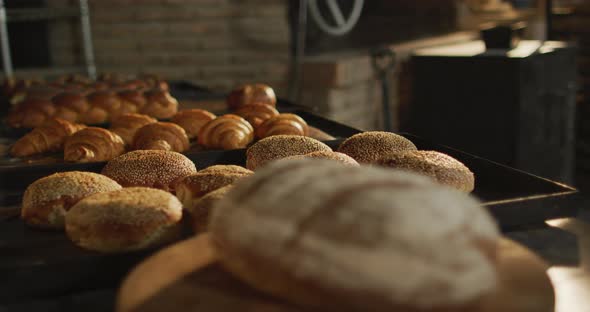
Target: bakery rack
x,y
81,12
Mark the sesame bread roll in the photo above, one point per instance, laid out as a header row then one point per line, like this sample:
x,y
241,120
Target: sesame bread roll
x,y
369,146
128,219
281,146
325,235
335,156
443,168
46,201
149,168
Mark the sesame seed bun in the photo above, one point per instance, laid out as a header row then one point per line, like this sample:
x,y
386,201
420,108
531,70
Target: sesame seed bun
x,y
149,168
441,167
281,146
47,200
227,168
128,219
369,146
202,208
339,157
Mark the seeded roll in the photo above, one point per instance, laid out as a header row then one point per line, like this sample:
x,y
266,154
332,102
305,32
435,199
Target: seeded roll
x,y
368,147
443,168
125,220
328,155
281,146
149,168
47,200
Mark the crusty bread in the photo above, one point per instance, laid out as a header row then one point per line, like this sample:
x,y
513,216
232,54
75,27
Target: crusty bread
x,y
336,156
441,167
227,168
201,208
281,146
319,233
369,146
47,200
128,219
149,168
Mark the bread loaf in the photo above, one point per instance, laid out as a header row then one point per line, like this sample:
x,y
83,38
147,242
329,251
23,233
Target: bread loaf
x,y
281,146
369,146
328,155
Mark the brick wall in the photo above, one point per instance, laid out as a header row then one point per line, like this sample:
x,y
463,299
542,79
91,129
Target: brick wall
x,y
217,43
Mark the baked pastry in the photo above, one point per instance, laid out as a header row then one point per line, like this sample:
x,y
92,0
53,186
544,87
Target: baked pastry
x,y
127,124
149,168
128,219
70,106
165,136
367,147
227,168
159,104
104,105
200,209
329,155
281,146
49,137
46,201
226,132
192,120
330,236
289,124
251,93
31,113
256,113
192,188
443,168
132,101
319,134
93,144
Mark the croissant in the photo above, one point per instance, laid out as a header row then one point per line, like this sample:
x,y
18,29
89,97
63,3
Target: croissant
x,y
31,113
70,106
283,124
161,136
256,113
127,125
251,93
93,144
226,132
159,104
132,101
49,137
192,120
103,105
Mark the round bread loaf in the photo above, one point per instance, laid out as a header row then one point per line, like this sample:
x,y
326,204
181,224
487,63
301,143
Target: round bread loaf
x,y
149,168
319,233
128,219
47,200
227,168
202,207
191,188
441,167
369,146
336,156
281,146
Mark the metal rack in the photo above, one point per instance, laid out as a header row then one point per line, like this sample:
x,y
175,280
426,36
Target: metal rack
x,y
82,12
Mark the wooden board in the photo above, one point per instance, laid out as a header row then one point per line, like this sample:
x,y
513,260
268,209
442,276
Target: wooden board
x,y
185,277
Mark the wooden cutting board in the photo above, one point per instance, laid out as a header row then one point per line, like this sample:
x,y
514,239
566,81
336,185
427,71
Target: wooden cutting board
x,y
185,277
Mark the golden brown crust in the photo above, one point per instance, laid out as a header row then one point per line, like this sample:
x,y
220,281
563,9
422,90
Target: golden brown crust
x,y
193,187
256,113
149,168
159,104
128,219
369,146
251,93
165,136
201,208
227,168
192,120
281,146
31,113
104,105
126,125
319,134
288,124
46,201
49,137
329,155
70,106
226,132
441,167
93,144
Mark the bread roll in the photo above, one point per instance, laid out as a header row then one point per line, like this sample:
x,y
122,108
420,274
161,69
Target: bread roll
x,y
192,120
200,208
159,104
149,168
330,236
126,125
47,200
129,219
93,144
251,93
227,168
369,146
281,146
329,155
165,136
50,137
